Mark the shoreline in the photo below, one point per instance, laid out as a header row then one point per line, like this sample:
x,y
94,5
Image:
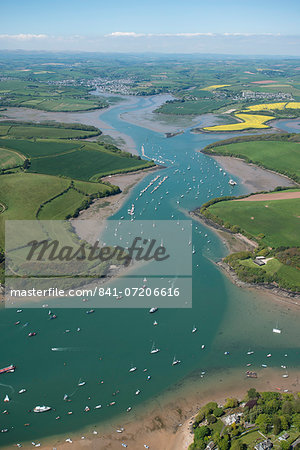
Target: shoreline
x,y
91,117
166,424
103,208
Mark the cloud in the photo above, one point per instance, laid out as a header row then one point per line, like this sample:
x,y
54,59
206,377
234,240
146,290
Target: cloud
x,y
23,37
192,35
125,34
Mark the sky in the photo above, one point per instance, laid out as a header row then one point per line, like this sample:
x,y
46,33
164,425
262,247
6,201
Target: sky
x,y
168,26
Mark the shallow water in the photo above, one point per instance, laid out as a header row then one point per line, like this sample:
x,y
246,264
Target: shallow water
x,y
111,341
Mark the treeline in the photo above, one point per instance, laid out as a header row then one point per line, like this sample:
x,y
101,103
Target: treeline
x,y
52,124
112,190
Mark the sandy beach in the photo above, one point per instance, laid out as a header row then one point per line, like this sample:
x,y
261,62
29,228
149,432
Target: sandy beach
x,y
166,424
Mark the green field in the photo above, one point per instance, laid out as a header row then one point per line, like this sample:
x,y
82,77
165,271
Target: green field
x,y
44,132
192,107
9,158
282,157
41,148
61,206
278,224
23,193
86,164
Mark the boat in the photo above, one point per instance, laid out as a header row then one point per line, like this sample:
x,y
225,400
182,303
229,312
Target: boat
x,y
129,408
21,391
81,383
32,334
264,365
226,353
203,347
137,392
148,377
193,251
90,311
277,330
269,355
133,369
87,409
250,352
8,369
250,374
153,310
232,182
285,375
175,361
40,409
153,349
6,398
155,322
98,406
194,329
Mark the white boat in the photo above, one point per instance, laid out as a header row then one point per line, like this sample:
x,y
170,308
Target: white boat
x,y
285,375
155,322
153,310
40,409
194,329
194,251
153,349
21,391
6,398
277,330
269,355
232,182
203,346
129,408
98,406
250,352
137,392
133,369
81,383
175,361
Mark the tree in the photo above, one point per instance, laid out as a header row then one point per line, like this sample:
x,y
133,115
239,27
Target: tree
x,y
252,394
277,425
231,403
264,423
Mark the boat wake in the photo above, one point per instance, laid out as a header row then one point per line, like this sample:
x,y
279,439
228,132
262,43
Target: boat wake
x,y
9,386
66,349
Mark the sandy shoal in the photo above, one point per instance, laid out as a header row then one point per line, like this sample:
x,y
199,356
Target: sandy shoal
x,y
254,178
165,424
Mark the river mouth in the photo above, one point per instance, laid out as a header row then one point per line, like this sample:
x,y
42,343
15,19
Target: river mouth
x,y
227,318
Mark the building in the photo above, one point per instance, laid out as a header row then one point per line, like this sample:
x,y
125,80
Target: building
x,y
264,445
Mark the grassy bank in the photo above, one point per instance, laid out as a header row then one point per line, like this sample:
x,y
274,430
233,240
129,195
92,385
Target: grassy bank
x,y
280,153
273,224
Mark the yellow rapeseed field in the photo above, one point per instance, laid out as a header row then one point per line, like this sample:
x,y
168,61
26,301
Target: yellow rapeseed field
x,y
249,121
267,106
214,86
293,105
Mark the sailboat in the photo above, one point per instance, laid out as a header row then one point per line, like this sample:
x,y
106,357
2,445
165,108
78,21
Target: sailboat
x,y
175,361
153,349
194,329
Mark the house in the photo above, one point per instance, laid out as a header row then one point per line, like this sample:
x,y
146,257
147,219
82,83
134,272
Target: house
x,y
210,446
259,262
264,445
231,419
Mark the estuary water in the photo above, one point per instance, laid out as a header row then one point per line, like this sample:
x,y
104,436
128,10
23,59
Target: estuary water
x,y
230,321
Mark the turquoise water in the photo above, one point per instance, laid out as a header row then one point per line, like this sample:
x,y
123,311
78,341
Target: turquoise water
x,y
111,341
